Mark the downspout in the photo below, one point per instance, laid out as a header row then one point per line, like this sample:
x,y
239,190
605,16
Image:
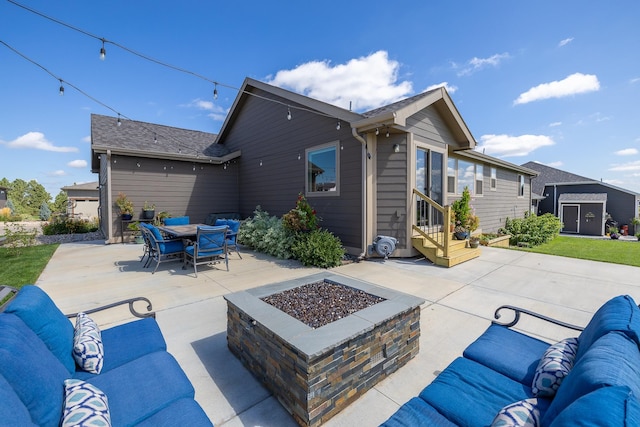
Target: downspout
x,y
108,219
364,192
555,201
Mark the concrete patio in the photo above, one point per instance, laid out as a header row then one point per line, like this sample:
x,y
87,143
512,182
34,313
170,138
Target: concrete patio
x,y
460,304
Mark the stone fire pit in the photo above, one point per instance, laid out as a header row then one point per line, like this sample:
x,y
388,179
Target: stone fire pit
x,y
315,373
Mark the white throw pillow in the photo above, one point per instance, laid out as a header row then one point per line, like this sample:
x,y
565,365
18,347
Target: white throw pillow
x,y
87,344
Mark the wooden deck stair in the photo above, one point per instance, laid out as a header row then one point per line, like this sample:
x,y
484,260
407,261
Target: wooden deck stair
x,y
458,251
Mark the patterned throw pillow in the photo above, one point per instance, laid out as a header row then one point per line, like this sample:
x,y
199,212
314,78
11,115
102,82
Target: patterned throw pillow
x,y
556,363
524,413
84,405
87,344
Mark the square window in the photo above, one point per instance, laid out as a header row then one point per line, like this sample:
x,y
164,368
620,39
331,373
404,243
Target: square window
x,y
322,170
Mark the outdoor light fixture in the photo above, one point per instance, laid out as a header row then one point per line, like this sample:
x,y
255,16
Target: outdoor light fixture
x,y
288,113
61,90
387,132
338,125
103,52
377,131
155,138
215,91
119,121
396,148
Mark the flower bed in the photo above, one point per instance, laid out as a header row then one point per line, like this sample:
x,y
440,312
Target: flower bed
x,y
500,240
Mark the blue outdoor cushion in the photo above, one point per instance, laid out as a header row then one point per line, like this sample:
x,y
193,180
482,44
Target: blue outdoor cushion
x,y
606,406
84,405
12,410
209,245
35,374
613,360
618,314
417,413
127,342
170,247
38,311
179,220
509,352
142,387
183,412
471,394
234,226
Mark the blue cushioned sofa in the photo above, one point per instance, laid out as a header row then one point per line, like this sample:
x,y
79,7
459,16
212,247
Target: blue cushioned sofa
x,y
143,383
602,387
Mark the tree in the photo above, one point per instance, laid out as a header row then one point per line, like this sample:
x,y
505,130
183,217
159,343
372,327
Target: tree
x,y
45,212
60,203
27,197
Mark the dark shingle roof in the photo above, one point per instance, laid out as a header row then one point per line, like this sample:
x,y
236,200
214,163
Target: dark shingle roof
x,y
397,105
548,175
583,197
133,135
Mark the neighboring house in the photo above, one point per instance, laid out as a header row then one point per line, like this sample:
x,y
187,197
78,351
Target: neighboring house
x,y
358,171
581,203
82,200
3,197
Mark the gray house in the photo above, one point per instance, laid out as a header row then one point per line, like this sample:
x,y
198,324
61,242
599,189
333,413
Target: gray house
x,y
581,203
3,197
82,200
386,172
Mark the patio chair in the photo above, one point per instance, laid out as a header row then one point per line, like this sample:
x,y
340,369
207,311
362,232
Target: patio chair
x,y
147,244
210,247
161,249
232,233
178,220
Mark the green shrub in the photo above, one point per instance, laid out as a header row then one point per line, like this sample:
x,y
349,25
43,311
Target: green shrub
x,y
532,229
318,248
17,237
266,234
62,225
45,212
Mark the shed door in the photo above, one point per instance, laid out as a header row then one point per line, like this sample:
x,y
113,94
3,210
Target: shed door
x,y
570,218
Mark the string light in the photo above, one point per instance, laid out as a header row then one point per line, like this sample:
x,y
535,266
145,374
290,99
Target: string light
x,y
155,138
288,113
103,52
387,132
61,90
215,91
377,132
338,125
119,122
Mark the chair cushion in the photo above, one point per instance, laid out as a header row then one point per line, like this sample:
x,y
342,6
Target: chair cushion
x,y
12,411
509,352
87,344
33,372
613,360
179,220
234,226
183,412
554,366
471,394
618,314
84,405
523,413
606,406
417,413
142,387
38,311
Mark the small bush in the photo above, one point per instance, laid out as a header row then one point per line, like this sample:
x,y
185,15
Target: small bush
x,y
45,212
532,229
266,234
319,248
62,225
17,237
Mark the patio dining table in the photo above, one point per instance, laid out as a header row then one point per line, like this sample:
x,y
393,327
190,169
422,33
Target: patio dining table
x,y
186,231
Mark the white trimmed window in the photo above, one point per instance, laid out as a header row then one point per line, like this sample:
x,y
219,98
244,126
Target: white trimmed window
x,y
520,185
479,180
322,170
494,179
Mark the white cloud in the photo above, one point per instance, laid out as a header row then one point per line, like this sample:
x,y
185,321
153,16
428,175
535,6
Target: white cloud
x,y
556,164
79,164
627,152
59,172
555,124
367,82
572,85
216,112
635,80
477,64
451,89
86,138
565,42
512,146
626,167
36,140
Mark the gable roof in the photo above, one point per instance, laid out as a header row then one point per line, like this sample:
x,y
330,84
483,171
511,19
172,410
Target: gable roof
x,y
552,176
481,157
93,186
151,140
392,115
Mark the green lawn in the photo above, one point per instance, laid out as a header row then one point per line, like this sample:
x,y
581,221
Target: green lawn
x,y
606,250
25,268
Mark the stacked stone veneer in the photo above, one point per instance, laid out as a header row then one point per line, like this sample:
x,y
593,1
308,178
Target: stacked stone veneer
x,y
315,373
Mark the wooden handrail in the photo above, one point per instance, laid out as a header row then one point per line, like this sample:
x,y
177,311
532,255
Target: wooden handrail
x,y
439,238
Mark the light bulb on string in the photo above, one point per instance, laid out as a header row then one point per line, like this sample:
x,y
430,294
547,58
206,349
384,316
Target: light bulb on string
x,y
288,113
387,132
155,138
61,90
215,91
377,131
119,122
338,125
103,52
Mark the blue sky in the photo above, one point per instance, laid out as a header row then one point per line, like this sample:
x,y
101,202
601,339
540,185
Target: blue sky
x,y
547,81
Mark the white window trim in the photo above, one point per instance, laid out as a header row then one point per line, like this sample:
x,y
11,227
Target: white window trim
x,y
334,144
520,179
493,182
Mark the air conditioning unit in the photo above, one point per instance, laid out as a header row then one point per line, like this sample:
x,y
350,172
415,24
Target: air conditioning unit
x,y
384,245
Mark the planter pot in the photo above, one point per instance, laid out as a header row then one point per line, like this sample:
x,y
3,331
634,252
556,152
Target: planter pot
x,y
148,214
139,240
461,235
474,243
127,217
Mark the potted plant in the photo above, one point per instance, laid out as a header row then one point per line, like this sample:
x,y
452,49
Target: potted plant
x,y
474,241
149,210
613,233
125,206
159,219
465,221
135,227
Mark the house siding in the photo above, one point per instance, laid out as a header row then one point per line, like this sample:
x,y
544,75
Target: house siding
x,y
428,126
174,187
495,206
271,175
